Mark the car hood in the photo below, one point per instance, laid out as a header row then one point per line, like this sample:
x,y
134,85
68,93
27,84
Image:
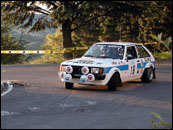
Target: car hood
x,y
95,62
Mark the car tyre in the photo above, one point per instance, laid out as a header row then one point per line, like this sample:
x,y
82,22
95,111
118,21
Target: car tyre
x,y
147,75
68,85
112,84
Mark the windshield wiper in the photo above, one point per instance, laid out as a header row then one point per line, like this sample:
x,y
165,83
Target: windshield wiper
x,y
89,56
104,57
99,56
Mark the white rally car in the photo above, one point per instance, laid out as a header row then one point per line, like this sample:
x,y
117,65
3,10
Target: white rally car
x,y
109,63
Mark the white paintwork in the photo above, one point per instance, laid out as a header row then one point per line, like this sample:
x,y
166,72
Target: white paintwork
x,y
128,70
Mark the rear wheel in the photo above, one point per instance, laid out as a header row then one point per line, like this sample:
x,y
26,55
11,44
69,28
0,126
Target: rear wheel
x,y
68,85
112,84
148,75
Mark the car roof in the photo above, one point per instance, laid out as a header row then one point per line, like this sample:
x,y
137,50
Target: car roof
x,y
119,43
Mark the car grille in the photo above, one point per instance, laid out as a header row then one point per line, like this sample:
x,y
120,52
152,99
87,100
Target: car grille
x,y
77,71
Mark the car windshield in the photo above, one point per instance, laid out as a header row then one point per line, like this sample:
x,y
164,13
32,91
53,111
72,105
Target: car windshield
x,y
106,51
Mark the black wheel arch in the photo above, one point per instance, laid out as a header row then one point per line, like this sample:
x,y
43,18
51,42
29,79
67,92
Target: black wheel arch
x,y
119,83
145,77
154,73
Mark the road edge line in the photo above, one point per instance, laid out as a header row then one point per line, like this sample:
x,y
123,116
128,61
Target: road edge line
x,y
10,88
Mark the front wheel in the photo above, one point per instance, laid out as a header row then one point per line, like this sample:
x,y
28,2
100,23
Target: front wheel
x,y
112,84
68,85
148,75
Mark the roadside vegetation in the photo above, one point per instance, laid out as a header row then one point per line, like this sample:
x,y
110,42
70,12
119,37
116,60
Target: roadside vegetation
x,y
164,51
163,55
82,23
162,123
8,42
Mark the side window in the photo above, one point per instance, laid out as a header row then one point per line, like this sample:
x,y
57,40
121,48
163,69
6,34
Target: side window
x,y
132,51
142,52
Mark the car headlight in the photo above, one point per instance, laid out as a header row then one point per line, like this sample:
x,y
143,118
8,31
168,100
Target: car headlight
x,y
97,70
68,69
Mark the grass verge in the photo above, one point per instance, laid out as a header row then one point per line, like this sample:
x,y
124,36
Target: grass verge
x,y
163,55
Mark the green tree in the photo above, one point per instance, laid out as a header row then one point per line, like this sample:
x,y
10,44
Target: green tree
x,y
122,22
134,24
107,27
71,15
88,34
52,42
8,43
156,18
85,21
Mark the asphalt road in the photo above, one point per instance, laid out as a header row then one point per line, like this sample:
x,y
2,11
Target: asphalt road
x,y
43,103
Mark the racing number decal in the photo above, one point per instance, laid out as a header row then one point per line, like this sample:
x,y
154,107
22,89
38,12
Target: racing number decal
x,y
132,67
132,70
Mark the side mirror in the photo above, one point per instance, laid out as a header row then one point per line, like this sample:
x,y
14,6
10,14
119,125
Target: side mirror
x,y
129,57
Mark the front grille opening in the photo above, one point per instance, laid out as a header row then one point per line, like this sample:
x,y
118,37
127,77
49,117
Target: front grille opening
x,y
77,73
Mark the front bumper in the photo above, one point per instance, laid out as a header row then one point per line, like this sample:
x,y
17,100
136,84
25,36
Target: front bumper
x,y
99,80
97,76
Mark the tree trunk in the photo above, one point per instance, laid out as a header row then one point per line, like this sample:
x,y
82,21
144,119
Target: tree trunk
x,y
67,40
